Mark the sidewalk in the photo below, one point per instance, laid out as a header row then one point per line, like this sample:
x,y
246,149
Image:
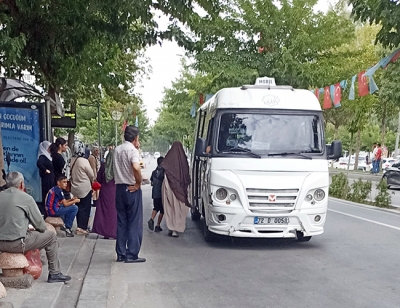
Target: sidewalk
x,y
75,256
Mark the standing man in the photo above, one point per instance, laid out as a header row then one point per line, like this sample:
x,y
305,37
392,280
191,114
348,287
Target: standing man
x,y
378,156
18,210
374,149
128,201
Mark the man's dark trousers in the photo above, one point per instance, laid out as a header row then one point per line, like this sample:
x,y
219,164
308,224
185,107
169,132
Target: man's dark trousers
x,y
130,221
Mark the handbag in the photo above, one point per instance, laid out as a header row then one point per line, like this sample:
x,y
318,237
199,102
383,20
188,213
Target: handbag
x,y
69,182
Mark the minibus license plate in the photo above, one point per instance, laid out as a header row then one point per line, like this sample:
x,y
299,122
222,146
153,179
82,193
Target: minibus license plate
x,y
271,220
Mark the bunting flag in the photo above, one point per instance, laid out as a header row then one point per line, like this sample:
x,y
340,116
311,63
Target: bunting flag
x,y
352,88
362,84
193,110
332,92
366,83
208,96
124,125
316,93
136,122
327,99
201,99
390,58
337,95
260,49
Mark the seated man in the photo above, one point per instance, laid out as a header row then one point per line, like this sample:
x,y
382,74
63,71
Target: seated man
x,y
58,206
18,210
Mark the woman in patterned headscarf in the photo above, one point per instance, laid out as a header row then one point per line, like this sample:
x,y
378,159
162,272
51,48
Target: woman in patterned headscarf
x,y
82,178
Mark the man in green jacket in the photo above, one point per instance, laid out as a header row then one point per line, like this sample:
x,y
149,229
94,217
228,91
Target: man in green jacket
x,y
18,210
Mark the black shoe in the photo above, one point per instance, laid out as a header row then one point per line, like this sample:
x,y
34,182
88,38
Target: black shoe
x,y
158,229
58,278
138,260
151,224
121,258
63,228
69,233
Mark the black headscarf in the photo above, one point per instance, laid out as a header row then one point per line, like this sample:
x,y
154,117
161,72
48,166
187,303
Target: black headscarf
x,y
176,169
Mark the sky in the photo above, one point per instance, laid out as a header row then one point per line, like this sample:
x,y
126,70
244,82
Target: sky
x,y
165,63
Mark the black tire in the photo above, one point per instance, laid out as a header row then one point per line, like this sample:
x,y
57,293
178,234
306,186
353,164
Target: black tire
x,y
208,235
195,214
384,178
301,237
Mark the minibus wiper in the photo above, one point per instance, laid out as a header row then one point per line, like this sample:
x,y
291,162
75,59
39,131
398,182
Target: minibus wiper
x,y
242,150
290,153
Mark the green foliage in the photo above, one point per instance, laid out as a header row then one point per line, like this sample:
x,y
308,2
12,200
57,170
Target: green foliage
x,y
339,187
383,12
294,38
383,198
359,191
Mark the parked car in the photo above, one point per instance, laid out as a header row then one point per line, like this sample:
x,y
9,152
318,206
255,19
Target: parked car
x,y
342,163
387,162
392,174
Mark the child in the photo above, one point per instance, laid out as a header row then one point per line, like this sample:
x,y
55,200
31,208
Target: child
x,y
58,206
157,178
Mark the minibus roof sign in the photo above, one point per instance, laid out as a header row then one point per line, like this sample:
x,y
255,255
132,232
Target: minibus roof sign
x,y
265,81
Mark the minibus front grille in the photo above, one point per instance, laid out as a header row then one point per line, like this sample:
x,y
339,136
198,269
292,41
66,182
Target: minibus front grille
x,y
252,204
272,199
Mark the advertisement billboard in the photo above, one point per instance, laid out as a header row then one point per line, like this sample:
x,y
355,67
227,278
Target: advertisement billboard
x,y
21,134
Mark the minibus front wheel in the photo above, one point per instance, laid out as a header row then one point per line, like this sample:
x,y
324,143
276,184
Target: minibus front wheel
x,y
301,237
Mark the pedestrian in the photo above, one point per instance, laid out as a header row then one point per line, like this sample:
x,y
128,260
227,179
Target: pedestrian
x,y
46,172
128,200
378,156
56,150
95,164
18,210
82,178
374,149
156,179
110,148
175,189
105,220
58,206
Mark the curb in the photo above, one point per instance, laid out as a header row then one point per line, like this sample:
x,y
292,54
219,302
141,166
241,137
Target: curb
x,y
394,210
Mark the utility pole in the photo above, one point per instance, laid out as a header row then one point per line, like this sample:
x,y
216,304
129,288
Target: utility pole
x,y
99,127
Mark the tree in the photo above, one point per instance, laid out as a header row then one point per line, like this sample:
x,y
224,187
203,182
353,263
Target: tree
x,y
283,39
382,12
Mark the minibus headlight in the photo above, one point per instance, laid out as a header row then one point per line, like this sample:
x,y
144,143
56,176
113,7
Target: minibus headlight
x,y
221,194
309,197
319,195
232,197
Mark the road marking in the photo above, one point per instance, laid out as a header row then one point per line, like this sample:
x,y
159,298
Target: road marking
x,y
365,219
366,207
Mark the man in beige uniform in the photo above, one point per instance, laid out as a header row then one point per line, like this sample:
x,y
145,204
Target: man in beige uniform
x,y
18,210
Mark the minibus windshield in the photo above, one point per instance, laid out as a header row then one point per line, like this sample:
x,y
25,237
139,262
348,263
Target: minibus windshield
x,y
270,134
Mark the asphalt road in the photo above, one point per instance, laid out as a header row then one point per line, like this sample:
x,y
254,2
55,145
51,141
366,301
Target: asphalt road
x,y
355,263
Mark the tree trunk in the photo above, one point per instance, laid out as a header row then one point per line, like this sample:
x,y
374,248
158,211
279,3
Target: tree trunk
x,y
2,182
336,133
71,137
383,125
358,143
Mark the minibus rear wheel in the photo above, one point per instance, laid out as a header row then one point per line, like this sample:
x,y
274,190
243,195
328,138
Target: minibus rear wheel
x,y
301,237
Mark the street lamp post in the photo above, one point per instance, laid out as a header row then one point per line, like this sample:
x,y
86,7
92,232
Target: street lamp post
x,y
116,115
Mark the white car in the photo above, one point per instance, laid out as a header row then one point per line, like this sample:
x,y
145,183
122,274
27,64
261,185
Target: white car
x,y
342,163
387,162
156,155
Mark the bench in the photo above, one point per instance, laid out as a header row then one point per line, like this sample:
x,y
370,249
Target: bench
x,y
56,222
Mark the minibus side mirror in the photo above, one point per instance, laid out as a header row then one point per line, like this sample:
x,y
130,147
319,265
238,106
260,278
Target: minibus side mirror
x,y
200,149
335,150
